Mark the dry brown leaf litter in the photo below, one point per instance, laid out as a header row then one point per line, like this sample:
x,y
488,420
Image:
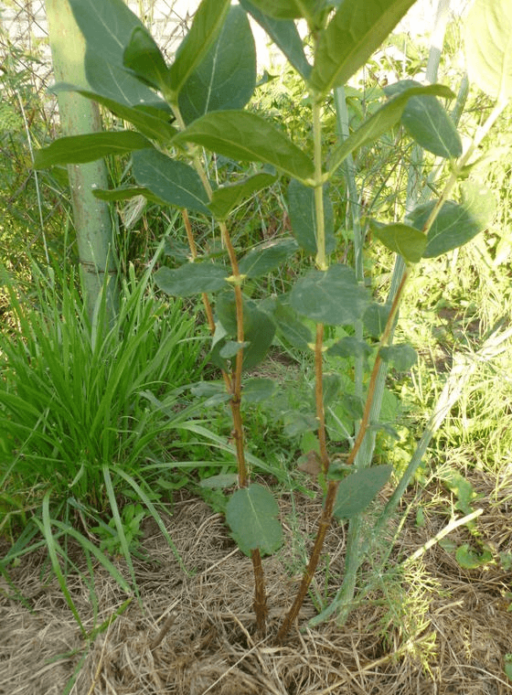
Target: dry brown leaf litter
x,y
453,641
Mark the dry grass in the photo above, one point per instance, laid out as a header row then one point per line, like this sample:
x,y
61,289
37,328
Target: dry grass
x,y
454,641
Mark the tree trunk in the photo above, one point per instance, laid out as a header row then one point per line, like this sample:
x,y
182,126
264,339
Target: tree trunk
x,y
79,115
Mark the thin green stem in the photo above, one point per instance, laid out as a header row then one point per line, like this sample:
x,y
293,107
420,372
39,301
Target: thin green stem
x,y
321,259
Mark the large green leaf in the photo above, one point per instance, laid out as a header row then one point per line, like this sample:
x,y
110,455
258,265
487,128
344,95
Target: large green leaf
x,y
331,296
350,346
259,329
285,35
248,137
106,25
174,182
227,76
428,123
488,39
302,212
225,198
262,260
259,390
116,83
381,121
78,149
291,328
251,514
191,279
205,28
359,489
143,57
407,241
353,34
289,9
151,122
402,356
455,224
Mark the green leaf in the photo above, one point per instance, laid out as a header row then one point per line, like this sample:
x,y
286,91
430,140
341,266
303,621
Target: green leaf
x,y
79,149
508,665
456,224
252,514
350,347
428,123
262,260
285,35
143,57
402,356
291,328
358,490
353,34
245,136
106,25
116,194
225,198
259,329
469,559
222,480
302,212
332,296
227,76
488,37
174,182
381,121
115,82
259,390
287,9
190,279
231,348
331,386
407,241
352,405
151,122
296,422
375,319
206,26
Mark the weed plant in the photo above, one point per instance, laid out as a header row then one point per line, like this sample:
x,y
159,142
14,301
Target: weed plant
x,y
79,435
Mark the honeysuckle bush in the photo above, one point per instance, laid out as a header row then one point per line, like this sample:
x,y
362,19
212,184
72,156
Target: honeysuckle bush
x,y
182,111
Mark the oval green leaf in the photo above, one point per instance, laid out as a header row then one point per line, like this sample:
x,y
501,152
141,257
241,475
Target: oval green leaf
x,y
358,490
225,198
206,25
259,390
174,182
402,356
332,296
407,241
428,123
226,78
190,279
260,261
143,57
245,136
251,514
488,38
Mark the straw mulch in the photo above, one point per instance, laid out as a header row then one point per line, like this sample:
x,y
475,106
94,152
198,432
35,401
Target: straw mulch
x,y
437,629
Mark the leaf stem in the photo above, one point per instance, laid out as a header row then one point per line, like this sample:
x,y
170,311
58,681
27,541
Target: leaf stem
x,y
319,195
320,411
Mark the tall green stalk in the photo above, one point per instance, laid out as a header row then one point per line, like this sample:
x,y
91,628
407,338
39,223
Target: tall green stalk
x,y
79,115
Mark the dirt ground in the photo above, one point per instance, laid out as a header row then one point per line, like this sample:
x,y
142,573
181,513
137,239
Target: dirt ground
x,y
439,630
